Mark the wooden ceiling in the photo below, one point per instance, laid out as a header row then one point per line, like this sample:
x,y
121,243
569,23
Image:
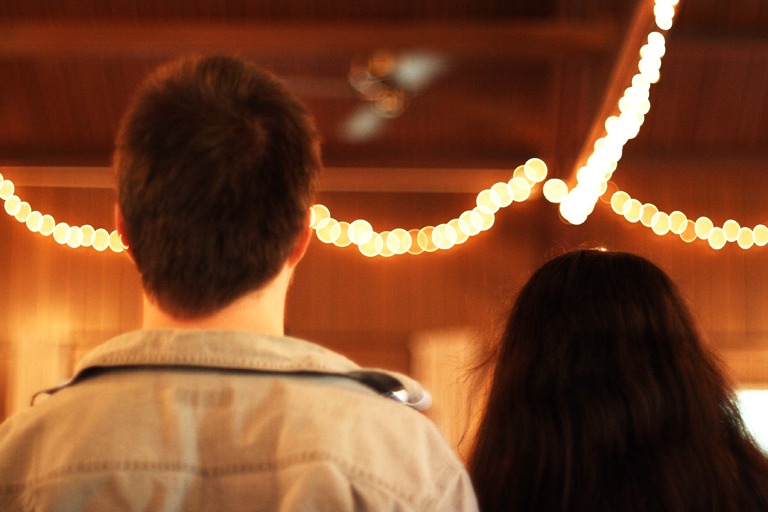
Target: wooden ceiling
x,y
513,79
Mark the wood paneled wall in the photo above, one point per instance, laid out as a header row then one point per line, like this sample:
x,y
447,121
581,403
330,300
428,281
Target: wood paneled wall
x,y
56,302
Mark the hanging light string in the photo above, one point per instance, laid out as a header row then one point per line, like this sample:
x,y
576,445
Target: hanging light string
x,y
575,205
592,178
688,230
431,238
64,234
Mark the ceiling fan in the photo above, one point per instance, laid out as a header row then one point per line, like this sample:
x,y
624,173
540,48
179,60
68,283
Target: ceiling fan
x,y
386,83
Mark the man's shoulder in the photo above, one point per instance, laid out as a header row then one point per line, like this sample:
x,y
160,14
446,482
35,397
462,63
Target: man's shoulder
x,y
316,434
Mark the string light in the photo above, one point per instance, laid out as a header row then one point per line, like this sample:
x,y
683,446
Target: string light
x,y
445,236
579,202
688,230
63,233
576,204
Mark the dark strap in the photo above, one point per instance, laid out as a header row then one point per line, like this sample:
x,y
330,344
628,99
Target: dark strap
x,y
382,383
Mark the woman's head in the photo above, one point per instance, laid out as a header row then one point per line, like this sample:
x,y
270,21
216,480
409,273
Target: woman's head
x,y
597,325
600,387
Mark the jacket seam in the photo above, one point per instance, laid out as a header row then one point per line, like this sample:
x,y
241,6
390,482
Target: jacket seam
x,y
352,471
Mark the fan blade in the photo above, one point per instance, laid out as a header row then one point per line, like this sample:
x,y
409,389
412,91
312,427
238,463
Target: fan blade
x,y
416,70
363,124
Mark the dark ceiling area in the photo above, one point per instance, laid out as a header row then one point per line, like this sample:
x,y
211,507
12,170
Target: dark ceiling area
x,y
400,84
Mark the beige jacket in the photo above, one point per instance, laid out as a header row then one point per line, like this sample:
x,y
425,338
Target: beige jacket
x,y
172,420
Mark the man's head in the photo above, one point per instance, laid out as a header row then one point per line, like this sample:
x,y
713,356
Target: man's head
x,y
216,166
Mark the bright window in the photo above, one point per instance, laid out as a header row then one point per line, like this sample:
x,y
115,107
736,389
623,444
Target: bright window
x,y
754,410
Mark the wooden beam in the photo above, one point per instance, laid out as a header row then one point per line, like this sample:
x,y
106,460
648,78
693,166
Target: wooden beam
x,y
333,179
411,179
623,71
519,39
720,44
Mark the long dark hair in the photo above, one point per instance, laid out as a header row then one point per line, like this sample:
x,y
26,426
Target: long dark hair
x,y
603,398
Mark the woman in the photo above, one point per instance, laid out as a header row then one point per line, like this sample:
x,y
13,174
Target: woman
x,y
603,398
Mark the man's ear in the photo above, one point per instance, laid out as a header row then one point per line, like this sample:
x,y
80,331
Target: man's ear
x,y
301,244
120,225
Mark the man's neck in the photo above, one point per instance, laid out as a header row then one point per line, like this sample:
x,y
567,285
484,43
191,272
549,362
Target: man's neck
x,y
261,310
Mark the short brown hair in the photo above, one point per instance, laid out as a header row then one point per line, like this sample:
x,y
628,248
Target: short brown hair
x,y
216,165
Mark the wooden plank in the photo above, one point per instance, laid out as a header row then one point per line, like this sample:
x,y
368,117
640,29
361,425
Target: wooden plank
x,y
519,39
334,179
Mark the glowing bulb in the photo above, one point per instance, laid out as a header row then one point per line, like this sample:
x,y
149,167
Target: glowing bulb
x,y
473,221
663,11
360,232
761,235
406,240
373,246
717,238
320,213
521,189
488,201
731,229
612,125
488,219
100,239
649,210
555,190
641,83
618,200
87,231
6,189
328,230
462,227
34,221
633,210
746,238
656,39
461,235
24,211
703,227
114,242
384,249
505,193
444,236
425,239
399,241
61,233
343,239
46,229
535,170
660,223
12,205
519,172
75,237
576,206
644,107
626,105
677,222
415,247
649,71
688,234
664,23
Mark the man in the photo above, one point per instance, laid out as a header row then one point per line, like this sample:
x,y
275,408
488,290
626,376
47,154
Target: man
x,y
210,406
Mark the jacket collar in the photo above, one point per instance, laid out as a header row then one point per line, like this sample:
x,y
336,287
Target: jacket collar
x,y
243,351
